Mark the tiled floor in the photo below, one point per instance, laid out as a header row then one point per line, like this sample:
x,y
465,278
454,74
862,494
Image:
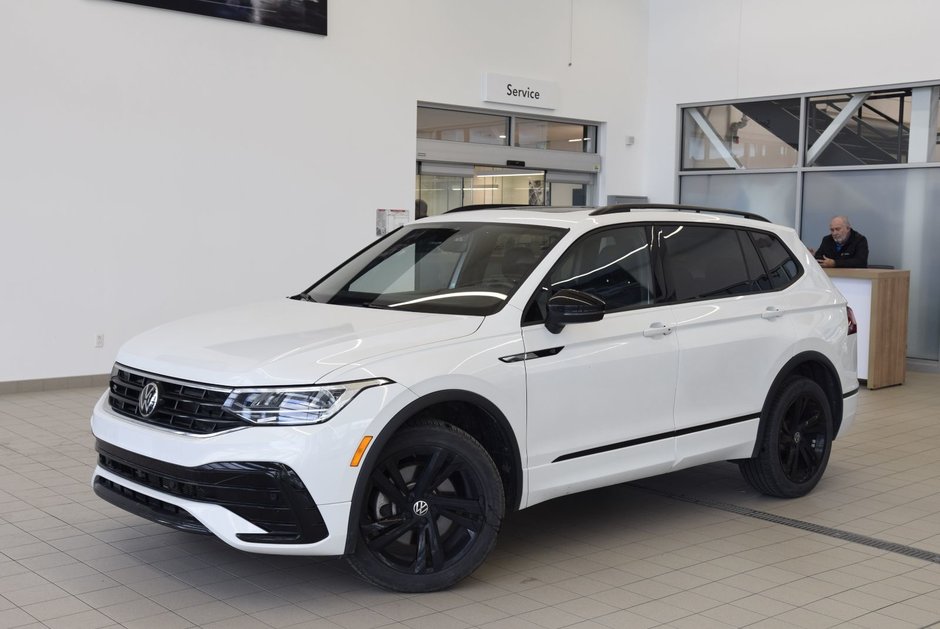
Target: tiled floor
x,y
644,554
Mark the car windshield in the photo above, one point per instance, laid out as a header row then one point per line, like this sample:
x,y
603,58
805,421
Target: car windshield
x,y
451,268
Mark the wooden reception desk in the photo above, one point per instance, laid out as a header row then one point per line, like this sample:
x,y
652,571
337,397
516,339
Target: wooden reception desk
x,y
878,297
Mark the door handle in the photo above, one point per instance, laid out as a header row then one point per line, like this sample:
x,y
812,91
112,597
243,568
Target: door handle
x,y
772,312
657,329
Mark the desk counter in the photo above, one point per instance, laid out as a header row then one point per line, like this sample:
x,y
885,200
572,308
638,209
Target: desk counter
x,y
879,299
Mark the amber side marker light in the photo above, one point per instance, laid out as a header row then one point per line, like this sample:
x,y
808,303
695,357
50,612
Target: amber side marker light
x,y
357,457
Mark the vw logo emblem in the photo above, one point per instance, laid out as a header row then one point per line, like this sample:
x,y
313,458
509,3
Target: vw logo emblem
x,y
148,398
420,508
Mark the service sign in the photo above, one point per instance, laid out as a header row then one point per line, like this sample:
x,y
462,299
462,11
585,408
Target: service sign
x,y
517,90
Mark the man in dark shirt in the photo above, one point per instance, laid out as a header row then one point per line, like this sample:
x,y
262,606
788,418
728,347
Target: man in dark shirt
x,y
843,247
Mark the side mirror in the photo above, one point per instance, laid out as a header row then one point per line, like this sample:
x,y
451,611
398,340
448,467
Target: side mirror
x,y
572,306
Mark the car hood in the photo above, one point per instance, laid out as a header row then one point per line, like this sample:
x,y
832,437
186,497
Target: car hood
x,y
283,342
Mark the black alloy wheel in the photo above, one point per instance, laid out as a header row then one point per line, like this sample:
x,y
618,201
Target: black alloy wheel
x,y
797,441
803,439
431,511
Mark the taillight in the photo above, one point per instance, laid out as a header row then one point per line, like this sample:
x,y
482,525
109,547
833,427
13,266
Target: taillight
x,y
853,324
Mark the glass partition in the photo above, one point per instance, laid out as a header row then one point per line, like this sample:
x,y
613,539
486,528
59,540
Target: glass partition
x,y
869,154
555,136
462,126
760,134
899,212
859,129
771,195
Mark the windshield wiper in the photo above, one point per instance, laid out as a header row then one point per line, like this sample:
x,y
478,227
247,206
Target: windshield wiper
x,y
302,297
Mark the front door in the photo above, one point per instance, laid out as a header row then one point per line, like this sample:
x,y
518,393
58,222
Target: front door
x,y
600,395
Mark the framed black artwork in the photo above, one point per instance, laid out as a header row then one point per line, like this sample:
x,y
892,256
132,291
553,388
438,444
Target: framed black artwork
x,y
298,15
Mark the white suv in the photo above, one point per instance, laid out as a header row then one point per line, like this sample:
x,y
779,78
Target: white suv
x,y
475,363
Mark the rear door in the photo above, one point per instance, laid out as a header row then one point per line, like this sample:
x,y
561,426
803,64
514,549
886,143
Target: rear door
x,y
733,335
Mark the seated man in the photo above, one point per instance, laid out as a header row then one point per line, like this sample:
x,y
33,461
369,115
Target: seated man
x,y
843,247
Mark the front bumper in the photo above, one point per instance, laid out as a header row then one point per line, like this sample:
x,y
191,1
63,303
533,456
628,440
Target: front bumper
x,y
265,489
269,495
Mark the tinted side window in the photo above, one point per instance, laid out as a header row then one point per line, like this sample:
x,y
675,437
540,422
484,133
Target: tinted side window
x,y
612,264
782,269
755,268
702,262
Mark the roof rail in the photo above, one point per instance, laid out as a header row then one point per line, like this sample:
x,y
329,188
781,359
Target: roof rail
x,y
629,207
482,206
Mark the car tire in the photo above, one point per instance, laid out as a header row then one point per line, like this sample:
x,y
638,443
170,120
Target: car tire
x,y
795,444
431,510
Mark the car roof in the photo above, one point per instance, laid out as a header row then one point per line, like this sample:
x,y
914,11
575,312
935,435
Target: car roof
x,y
588,217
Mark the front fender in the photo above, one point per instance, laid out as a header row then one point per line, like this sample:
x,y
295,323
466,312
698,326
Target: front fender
x,y
414,409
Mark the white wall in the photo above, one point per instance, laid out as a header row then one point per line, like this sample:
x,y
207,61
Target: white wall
x,y
727,49
155,164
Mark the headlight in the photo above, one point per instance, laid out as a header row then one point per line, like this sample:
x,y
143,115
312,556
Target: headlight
x,y
293,406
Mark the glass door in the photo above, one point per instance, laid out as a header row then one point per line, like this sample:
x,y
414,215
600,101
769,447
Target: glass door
x,y
442,191
560,193
570,188
505,185
442,187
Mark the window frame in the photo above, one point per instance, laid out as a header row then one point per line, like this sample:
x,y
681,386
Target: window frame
x,y
663,249
372,256
657,255
654,264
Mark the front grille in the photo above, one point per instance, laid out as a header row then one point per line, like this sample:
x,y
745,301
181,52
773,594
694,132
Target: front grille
x,y
269,495
184,406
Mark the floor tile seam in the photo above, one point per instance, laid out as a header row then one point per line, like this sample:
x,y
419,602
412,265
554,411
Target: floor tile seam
x,y
75,561
66,595
846,536
912,602
631,609
823,613
142,618
120,553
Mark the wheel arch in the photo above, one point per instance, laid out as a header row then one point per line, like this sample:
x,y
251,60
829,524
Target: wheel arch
x,y
818,368
468,411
